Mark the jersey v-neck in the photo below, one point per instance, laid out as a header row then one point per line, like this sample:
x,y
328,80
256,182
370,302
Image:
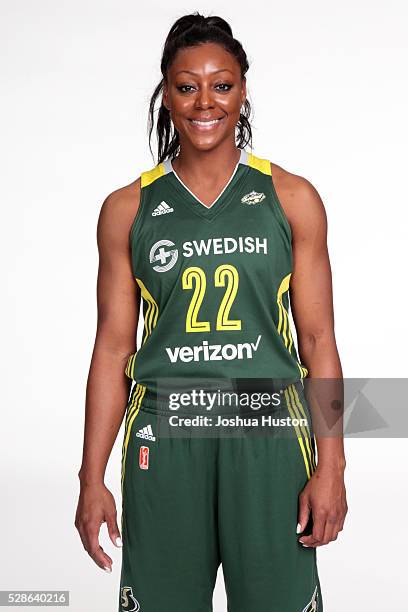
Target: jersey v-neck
x,y
224,197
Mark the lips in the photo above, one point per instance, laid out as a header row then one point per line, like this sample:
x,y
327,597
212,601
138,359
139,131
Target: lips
x,y
205,124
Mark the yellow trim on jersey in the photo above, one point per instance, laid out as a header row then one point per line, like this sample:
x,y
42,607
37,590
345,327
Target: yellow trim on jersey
x,y
263,165
258,163
132,412
284,323
150,321
130,365
298,433
152,312
311,443
148,177
301,414
302,432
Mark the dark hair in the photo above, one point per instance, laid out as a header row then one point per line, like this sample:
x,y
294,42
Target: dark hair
x,y
190,31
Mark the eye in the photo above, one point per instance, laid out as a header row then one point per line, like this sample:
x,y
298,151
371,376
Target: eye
x,y
223,86
185,88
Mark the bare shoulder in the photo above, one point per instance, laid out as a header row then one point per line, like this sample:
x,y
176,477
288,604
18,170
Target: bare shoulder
x,y
117,214
299,199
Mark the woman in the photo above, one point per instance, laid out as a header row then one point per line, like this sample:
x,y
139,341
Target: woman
x,y
217,238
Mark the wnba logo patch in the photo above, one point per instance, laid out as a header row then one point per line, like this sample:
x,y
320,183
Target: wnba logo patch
x,y
144,457
127,601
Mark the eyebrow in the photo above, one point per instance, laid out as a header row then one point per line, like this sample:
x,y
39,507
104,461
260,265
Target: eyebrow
x,y
196,74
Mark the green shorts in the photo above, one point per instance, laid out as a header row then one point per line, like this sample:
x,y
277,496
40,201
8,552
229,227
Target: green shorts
x,y
191,502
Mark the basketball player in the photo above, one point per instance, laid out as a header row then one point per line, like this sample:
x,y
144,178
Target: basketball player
x,y
212,240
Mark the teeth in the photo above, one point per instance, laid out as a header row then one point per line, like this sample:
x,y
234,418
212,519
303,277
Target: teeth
x,y
205,122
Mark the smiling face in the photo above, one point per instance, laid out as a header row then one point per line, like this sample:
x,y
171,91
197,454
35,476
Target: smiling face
x,y
204,93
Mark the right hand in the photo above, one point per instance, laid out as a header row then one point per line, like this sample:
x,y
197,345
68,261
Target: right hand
x,y
96,505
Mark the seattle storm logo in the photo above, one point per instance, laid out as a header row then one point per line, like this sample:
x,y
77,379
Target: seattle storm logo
x,y
313,604
127,601
166,257
253,198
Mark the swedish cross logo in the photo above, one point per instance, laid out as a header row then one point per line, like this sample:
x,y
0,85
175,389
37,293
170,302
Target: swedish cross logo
x,y
163,258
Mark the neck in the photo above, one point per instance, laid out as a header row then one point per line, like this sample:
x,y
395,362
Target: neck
x,y
211,166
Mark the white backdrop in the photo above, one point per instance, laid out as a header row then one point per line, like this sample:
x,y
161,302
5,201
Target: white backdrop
x,y
330,97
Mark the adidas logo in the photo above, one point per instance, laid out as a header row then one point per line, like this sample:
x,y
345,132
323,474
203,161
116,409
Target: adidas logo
x,y
162,209
146,433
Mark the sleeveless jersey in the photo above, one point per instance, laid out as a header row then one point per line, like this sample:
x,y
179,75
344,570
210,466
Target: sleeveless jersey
x,y
214,280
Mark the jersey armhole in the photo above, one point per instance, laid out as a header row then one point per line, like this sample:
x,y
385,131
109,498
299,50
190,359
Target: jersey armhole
x,y
137,218
280,209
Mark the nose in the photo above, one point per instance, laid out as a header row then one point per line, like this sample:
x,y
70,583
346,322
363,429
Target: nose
x,y
204,99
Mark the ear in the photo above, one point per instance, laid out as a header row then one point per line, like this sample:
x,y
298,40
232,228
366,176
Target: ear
x,y
165,96
243,91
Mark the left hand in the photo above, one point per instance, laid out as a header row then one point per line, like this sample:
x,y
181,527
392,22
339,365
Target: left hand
x,y
325,497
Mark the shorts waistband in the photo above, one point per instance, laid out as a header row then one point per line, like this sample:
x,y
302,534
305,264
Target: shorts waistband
x,y
242,397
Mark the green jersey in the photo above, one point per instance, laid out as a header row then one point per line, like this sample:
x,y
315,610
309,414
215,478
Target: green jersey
x,y
214,280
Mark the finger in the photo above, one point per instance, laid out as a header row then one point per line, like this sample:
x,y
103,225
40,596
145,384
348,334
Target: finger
x,y
102,559
113,530
308,541
330,531
319,523
343,517
93,548
304,513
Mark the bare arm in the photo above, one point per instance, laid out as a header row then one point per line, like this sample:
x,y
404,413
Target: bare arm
x,y
107,386
312,306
